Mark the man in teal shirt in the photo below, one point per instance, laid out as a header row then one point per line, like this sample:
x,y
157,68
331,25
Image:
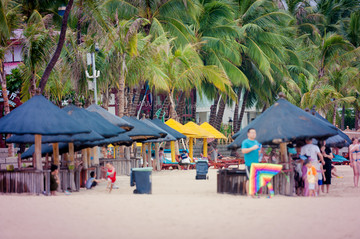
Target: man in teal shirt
x,y
251,150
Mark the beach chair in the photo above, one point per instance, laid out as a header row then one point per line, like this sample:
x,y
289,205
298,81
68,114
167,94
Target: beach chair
x,y
167,164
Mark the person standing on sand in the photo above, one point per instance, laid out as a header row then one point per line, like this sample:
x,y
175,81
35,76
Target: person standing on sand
x,y
354,156
328,156
251,150
313,151
111,176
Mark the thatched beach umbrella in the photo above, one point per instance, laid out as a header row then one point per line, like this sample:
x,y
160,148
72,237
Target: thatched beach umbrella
x,y
142,131
93,121
39,116
284,122
340,140
110,117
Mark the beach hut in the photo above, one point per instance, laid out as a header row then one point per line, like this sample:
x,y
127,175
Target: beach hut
x,y
110,117
284,122
37,116
200,133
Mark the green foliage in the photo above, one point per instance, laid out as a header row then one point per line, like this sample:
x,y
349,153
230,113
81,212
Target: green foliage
x,y
14,80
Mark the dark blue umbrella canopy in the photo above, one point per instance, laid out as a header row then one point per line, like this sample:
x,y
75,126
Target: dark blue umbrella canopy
x,y
284,122
93,121
141,131
121,139
110,117
340,140
45,149
30,138
168,137
168,129
39,116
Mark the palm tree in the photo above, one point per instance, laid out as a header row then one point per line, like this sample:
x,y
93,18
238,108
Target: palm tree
x,y
9,21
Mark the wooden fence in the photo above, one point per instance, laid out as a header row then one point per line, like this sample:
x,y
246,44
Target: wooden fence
x,y
33,182
122,166
233,181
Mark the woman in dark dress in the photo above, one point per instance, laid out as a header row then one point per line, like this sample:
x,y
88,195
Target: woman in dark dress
x,y
328,156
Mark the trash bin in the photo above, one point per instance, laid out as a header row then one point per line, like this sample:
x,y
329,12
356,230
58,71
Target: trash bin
x,y
141,177
202,167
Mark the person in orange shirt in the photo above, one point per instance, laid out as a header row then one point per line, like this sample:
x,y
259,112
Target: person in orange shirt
x,y
311,177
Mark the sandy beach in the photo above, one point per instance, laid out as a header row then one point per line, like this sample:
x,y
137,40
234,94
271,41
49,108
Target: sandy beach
x,y
182,207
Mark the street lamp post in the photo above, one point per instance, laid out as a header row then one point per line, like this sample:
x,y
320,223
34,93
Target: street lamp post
x,y
96,74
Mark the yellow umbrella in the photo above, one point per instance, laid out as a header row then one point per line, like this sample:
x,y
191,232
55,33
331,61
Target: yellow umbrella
x,y
201,133
212,130
180,128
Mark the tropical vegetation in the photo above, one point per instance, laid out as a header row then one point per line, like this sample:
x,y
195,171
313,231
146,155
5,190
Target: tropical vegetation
x,y
235,53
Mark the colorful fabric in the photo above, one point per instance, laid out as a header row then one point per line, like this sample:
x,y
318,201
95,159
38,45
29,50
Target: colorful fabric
x,y
261,175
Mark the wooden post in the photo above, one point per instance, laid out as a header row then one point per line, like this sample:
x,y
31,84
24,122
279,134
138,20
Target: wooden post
x,y
172,147
84,158
205,149
88,156
191,146
56,153
149,155
143,153
71,152
157,161
285,161
128,160
38,152
96,156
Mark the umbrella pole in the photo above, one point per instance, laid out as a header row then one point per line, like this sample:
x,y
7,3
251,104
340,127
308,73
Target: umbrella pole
x,y
191,146
172,147
157,161
205,148
143,152
149,155
285,161
84,158
38,152
56,153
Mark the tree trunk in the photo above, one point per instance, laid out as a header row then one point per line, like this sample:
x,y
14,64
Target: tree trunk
x,y
136,101
172,112
105,104
264,108
343,117
236,111
59,47
243,109
116,94
165,105
334,113
32,89
181,107
122,86
78,26
129,101
213,110
220,114
193,105
357,118
6,102
126,104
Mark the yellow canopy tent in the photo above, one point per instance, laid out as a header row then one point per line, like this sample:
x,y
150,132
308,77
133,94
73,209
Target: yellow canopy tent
x,y
212,130
180,128
201,133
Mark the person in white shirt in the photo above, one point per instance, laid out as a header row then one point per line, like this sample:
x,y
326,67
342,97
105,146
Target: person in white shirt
x,y
313,151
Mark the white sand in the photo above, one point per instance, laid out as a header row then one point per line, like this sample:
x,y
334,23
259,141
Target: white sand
x,y
182,207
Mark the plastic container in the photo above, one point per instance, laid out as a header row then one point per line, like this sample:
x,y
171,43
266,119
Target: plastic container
x,y
141,177
202,167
